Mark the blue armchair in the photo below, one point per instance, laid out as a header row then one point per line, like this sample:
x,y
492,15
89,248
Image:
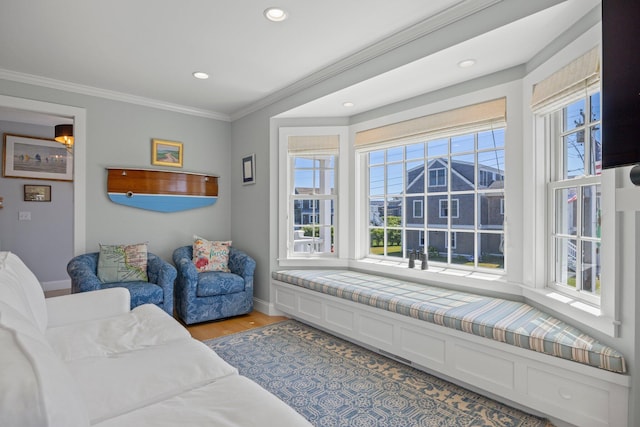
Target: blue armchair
x,y
213,295
158,290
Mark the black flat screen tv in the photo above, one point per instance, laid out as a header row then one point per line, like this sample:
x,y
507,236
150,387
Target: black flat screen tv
x,y
620,83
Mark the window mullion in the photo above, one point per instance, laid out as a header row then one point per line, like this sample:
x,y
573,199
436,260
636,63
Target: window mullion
x,y
449,232
578,237
476,197
587,137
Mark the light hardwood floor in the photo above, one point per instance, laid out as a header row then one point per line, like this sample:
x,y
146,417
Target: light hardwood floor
x,y
218,328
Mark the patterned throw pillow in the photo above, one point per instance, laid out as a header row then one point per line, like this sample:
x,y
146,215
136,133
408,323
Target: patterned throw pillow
x,y
123,263
211,255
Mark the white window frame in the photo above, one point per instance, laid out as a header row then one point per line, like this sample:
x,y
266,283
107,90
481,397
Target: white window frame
x,y
605,318
476,229
418,206
286,255
438,177
452,241
443,208
454,202
556,182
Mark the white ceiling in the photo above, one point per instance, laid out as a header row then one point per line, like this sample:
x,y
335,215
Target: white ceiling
x,y
500,49
146,51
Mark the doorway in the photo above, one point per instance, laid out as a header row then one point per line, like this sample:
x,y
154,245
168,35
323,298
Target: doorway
x,y
11,107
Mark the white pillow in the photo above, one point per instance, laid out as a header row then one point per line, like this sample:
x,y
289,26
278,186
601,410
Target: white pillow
x,y
36,389
20,288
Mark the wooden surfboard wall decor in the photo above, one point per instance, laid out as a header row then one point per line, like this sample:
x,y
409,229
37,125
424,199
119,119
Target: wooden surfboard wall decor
x,y
161,191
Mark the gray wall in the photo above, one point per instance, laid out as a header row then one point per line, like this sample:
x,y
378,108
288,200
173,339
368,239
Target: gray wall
x,y
119,135
250,228
45,243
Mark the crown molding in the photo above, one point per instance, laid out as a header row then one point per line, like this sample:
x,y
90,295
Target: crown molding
x,y
460,10
109,94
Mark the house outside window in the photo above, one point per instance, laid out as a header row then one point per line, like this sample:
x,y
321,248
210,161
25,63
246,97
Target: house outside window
x,y
463,224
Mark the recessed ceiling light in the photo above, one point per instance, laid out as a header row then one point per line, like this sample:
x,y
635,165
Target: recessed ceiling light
x,y
275,14
200,75
466,63
348,104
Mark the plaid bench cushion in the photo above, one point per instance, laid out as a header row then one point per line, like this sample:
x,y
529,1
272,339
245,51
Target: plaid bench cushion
x,y
502,320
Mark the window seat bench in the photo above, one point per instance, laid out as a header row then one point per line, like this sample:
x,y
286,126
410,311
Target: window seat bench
x,y
529,359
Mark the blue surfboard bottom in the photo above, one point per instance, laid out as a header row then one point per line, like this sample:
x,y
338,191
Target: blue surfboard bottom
x,y
162,202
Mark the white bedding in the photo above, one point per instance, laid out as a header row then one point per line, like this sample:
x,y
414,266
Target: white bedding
x,y
85,359
232,401
145,326
130,380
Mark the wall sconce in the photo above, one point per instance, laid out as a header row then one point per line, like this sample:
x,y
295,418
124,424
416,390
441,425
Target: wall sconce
x,y
64,135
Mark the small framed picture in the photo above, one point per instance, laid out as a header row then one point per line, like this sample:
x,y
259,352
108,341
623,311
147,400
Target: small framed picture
x,y
166,153
249,169
37,193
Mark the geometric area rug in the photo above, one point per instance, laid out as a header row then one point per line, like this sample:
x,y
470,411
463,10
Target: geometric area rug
x,y
333,382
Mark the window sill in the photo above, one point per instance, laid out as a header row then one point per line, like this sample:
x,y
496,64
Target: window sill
x,y
484,283
313,262
575,310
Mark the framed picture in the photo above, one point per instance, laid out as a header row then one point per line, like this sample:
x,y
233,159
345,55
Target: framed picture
x,y
37,193
37,158
249,169
166,153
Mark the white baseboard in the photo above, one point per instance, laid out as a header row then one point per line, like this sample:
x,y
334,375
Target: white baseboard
x,y
266,308
56,285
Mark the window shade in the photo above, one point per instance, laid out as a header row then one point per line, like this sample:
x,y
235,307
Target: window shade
x,y
573,77
313,144
476,114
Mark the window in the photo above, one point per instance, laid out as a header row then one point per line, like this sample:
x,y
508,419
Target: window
x,y
464,217
310,219
417,208
444,208
309,189
452,240
574,194
486,178
578,250
438,177
312,182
